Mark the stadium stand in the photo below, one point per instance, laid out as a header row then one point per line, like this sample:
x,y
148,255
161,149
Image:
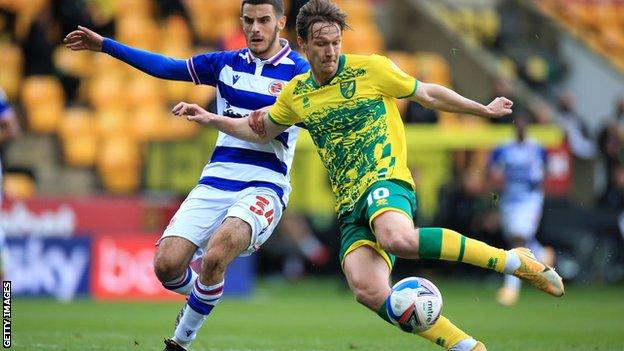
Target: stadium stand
x,y
600,24
118,105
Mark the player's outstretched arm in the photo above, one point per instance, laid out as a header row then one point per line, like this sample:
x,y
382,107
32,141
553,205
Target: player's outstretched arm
x,y
437,97
83,38
236,127
156,65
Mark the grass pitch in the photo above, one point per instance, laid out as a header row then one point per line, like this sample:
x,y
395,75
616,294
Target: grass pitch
x,y
322,315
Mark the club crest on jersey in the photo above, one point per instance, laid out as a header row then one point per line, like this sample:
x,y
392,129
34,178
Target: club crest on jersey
x,y
275,87
347,89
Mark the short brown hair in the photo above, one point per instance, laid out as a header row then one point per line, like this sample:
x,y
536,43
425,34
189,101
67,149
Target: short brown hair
x,y
319,11
278,5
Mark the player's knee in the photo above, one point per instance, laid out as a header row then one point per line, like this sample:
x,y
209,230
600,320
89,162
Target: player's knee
x,y
167,269
213,262
399,243
367,295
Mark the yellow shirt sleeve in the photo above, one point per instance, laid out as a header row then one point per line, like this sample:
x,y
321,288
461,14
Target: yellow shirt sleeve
x,y
282,111
390,79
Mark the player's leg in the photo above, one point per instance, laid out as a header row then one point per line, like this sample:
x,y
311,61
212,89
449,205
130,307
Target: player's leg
x,y
248,223
394,229
368,276
520,221
171,264
509,293
201,212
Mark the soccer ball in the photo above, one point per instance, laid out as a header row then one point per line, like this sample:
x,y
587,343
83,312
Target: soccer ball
x,y
414,304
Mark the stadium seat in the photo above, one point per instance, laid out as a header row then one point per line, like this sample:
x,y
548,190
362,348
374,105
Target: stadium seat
x,y
364,39
43,99
489,21
138,31
73,63
143,8
360,11
19,186
105,91
211,18
175,33
119,164
11,62
143,90
150,123
113,123
79,137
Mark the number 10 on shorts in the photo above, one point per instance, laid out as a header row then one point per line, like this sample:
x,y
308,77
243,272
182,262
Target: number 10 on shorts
x,y
378,196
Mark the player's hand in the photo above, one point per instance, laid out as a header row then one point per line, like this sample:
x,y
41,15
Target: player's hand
x,y
256,120
193,113
499,107
83,39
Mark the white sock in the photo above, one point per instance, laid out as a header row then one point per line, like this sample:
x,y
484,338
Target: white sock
x,y
200,303
512,262
183,284
512,282
464,345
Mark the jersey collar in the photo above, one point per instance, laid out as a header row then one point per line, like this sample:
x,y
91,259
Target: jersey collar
x,y
277,58
341,65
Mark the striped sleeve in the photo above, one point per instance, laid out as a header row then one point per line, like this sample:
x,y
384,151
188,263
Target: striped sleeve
x,y
205,68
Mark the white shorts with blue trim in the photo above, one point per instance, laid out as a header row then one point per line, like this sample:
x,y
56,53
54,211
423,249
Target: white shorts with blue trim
x,y
205,208
521,219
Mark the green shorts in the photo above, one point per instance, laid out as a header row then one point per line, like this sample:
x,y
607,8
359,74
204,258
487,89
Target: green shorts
x,y
356,226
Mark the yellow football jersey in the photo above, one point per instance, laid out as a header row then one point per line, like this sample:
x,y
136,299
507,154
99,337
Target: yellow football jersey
x,y
354,122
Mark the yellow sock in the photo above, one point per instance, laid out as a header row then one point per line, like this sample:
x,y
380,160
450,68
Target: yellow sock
x,y
446,244
444,333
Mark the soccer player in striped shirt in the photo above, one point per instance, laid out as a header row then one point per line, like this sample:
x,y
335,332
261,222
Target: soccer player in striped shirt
x,y
347,104
245,186
519,168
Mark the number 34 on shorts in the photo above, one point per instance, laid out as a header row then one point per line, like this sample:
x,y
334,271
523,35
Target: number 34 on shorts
x,y
260,208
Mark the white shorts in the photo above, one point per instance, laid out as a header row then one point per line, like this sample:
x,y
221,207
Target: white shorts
x,y
521,219
205,208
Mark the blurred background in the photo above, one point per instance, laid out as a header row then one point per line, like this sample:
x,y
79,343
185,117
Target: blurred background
x,y
101,166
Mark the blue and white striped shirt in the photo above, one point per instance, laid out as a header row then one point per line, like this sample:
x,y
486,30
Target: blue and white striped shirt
x,y
523,165
244,83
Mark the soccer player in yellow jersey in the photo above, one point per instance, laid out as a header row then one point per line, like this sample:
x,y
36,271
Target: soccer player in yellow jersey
x,y
346,103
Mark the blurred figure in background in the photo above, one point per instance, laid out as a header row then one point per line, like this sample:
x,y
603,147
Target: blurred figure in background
x,y
610,142
577,133
9,130
519,169
464,205
303,245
